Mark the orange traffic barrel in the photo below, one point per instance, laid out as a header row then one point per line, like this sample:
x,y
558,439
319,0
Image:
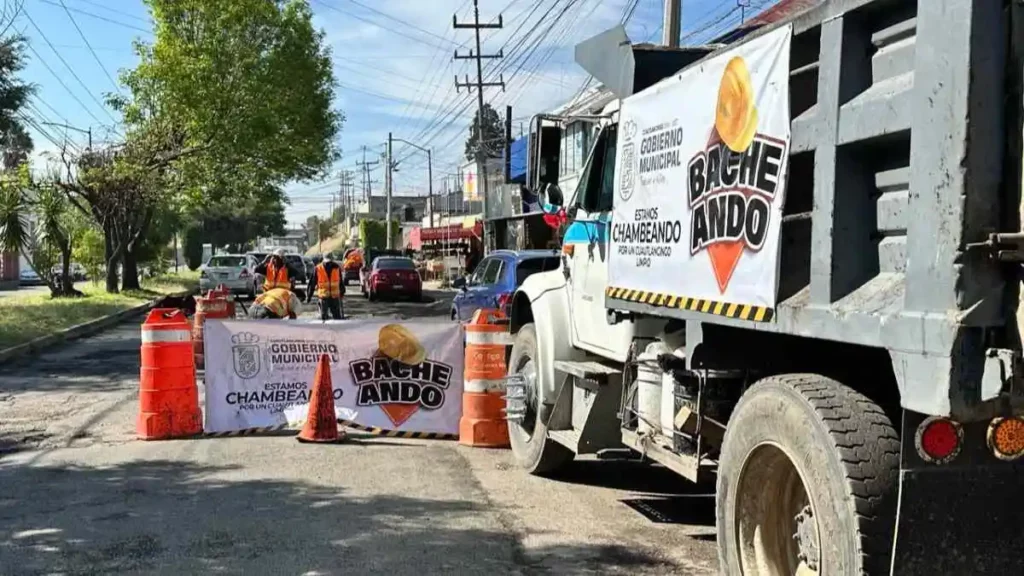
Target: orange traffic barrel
x,y
213,306
483,396
168,396
224,292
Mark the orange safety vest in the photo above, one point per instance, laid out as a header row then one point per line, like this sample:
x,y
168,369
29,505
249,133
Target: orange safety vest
x,y
328,287
277,301
276,277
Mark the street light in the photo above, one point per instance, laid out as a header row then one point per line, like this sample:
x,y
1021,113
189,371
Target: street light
x,y
87,131
430,176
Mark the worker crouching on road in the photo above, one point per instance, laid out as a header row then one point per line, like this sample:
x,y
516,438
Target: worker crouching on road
x,y
277,272
277,303
329,288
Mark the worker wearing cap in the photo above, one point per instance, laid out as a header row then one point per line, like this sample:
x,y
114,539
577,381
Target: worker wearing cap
x,y
276,303
329,288
276,271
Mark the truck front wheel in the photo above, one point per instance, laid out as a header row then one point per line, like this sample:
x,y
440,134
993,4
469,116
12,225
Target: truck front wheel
x,y
807,481
529,438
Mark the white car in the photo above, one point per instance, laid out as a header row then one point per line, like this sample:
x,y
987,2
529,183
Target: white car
x,y
28,277
235,271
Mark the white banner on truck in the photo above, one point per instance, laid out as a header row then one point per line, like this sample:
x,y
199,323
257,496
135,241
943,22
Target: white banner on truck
x,y
701,168
393,375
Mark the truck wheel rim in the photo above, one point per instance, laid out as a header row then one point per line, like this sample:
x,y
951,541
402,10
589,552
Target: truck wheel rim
x,y
528,369
776,528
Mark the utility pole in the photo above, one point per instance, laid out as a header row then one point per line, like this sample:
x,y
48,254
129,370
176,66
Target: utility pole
x,y
673,13
481,155
387,190
367,184
743,4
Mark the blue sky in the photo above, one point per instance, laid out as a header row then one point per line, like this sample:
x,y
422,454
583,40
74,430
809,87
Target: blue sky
x,y
393,63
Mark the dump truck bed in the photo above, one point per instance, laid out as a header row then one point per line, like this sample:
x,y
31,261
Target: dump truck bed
x,y
899,162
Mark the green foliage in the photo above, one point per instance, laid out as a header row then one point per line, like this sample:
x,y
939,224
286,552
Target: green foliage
x,y
14,94
88,252
493,135
15,209
374,234
242,88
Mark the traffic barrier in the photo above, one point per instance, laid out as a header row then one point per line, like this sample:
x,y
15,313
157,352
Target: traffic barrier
x,y
225,292
321,423
168,396
212,306
483,421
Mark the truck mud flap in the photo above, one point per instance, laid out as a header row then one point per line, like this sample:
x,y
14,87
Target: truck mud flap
x,y
960,521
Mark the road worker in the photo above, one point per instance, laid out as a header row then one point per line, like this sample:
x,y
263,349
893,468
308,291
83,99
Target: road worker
x,y
329,288
277,303
276,271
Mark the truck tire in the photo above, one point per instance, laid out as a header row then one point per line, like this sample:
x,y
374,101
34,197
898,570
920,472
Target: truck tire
x,y
531,447
807,481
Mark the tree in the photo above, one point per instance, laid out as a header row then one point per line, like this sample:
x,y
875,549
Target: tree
x,y
242,89
51,239
14,94
16,144
493,135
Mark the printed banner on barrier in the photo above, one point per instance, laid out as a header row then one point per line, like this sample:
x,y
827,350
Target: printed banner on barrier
x,y
701,178
394,375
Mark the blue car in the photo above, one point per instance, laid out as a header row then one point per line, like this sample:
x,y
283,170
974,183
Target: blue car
x,y
496,278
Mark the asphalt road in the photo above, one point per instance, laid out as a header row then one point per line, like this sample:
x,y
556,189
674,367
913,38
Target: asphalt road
x,y
79,495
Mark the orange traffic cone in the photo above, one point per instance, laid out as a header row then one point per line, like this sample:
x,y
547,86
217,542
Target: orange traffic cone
x,y
321,423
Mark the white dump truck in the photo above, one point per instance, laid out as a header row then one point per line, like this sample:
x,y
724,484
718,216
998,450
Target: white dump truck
x,y
792,266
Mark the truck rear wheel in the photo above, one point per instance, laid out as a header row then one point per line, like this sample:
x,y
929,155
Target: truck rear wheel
x,y
807,481
530,444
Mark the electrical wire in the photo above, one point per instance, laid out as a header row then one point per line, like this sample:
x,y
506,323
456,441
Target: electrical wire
x,y
93,52
98,17
62,83
368,21
68,66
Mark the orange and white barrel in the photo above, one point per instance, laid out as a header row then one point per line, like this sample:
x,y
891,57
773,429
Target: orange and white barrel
x,y
168,396
483,397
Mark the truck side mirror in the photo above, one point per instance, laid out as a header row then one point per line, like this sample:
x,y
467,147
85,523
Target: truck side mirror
x,y
553,195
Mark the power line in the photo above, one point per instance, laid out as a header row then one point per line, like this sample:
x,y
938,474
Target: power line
x,y
62,83
93,52
368,21
98,17
399,20
114,11
68,66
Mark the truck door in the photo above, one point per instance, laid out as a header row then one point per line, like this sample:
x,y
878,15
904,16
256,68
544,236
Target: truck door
x,y
589,237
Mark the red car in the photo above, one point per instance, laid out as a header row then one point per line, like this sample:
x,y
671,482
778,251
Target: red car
x,y
392,276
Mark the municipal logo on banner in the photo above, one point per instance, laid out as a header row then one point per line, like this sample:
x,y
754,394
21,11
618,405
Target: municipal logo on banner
x,y
398,378
245,354
701,178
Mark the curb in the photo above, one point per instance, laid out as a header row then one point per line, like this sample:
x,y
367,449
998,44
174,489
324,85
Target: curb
x,y
79,331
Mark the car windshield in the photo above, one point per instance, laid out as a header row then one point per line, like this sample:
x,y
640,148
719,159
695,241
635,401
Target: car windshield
x,y
226,262
394,264
294,260
529,267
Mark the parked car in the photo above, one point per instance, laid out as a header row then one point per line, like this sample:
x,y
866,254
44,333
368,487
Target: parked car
x,y
235,271
28,277
496,278
299,263
77,271
369,255
393,276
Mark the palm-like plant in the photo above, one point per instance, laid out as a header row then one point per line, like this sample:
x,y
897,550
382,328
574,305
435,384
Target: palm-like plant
x,y
15,231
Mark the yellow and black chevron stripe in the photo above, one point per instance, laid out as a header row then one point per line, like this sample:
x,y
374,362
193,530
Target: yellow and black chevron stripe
x,y
398,433
346,423
252,431
738,311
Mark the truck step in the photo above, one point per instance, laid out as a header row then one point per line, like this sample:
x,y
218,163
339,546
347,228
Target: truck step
x,y
587,369
568,438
